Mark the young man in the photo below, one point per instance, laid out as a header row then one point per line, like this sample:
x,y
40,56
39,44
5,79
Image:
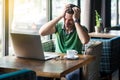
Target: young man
x,y
69,34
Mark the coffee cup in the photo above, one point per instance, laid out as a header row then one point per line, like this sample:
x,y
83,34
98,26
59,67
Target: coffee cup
x,y
71,53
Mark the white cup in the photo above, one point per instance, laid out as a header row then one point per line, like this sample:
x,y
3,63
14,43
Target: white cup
x,y
71,53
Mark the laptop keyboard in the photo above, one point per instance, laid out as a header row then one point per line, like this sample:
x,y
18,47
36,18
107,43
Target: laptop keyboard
x,y
50,55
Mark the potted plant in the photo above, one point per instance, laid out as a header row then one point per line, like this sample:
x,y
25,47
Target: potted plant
x,y
98,22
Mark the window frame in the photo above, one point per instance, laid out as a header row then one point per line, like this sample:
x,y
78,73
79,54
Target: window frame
x,y
5,27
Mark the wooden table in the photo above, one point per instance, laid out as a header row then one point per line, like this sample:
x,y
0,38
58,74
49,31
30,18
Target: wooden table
x,y
111,34
55,68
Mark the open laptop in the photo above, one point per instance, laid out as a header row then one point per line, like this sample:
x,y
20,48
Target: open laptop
x,y
30,46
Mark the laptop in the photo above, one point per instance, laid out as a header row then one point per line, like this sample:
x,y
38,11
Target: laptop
x,y
30,46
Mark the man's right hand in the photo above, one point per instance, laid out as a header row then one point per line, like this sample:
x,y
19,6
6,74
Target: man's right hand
x,y
64,11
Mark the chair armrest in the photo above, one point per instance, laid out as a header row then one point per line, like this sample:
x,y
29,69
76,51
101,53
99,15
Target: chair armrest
x,y
93,68
94,48
23,74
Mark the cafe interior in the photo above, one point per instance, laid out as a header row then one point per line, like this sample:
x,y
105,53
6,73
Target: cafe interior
x,y
100,57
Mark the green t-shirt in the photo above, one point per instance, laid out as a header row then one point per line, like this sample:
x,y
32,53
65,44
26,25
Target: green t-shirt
x,y
66,41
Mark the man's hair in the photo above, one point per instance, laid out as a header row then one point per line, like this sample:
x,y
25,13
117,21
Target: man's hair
x,y
69,8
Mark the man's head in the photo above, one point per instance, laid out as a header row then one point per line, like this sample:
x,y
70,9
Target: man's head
x,y
68,18
69,8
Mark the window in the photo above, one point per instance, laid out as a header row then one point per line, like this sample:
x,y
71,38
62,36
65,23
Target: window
x,y
56,9
27,17
27,14
115,12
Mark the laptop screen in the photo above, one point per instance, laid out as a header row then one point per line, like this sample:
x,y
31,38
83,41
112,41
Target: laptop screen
x,y
27,45
30,46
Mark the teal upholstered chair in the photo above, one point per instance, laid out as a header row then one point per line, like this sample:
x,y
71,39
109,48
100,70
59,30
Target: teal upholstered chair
x,y
49,46
110,58
23,74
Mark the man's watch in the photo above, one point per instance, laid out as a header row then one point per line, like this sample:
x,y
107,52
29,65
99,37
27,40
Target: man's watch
x,y
77,21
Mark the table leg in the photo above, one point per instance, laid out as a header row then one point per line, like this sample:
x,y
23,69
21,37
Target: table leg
x,y
84,73
55,79
81,75
119,72
63,78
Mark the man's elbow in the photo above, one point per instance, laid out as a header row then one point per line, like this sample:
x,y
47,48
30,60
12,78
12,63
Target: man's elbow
x,y
41,33
86,41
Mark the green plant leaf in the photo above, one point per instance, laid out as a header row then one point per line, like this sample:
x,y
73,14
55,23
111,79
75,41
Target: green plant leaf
x,y
97,16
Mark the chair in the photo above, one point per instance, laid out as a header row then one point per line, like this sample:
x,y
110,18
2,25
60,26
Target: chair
x,y
110,56
23,74
93,48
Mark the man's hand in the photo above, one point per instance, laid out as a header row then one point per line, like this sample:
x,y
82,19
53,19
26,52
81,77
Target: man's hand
x,y
64,11
76,14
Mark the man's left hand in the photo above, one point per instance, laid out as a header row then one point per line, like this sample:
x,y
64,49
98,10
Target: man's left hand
x,y
76,14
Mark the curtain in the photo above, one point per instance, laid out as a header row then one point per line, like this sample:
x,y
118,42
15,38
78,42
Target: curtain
x,y
106,13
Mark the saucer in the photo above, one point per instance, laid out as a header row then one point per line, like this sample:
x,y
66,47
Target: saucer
x,y
75,57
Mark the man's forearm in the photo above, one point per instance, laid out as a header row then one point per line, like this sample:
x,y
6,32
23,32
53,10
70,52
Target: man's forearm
x,y
54,21
83,35
49,27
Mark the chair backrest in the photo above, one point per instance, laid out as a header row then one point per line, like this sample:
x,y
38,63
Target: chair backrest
x,y
23,74
48,46
110,58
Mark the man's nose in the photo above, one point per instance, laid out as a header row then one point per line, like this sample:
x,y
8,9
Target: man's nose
x,y
67,21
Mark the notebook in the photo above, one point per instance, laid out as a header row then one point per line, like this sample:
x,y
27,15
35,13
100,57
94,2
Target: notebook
x,y
30,46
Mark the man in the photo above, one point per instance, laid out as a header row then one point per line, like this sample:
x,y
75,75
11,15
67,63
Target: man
x,y
69,34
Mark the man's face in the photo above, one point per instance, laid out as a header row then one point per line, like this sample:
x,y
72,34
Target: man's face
x,y
68,21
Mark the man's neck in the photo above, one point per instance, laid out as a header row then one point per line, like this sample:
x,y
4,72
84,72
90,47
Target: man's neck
x,y
69,31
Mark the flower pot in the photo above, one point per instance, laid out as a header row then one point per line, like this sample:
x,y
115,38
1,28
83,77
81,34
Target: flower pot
x,y
97,29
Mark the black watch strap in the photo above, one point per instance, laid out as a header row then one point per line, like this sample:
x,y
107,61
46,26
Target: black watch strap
x,y
77,20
